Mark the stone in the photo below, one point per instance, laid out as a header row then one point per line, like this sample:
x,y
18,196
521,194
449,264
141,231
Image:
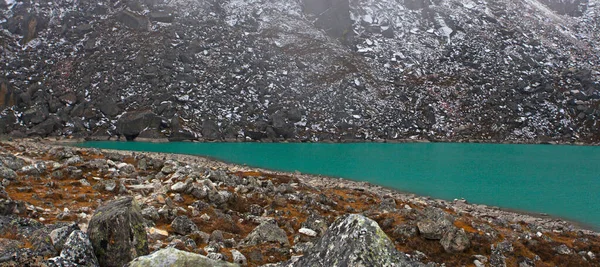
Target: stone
x,y
172,257
7,173
117,232
60,235
307,232
131,124
434,224
157,234
179,187
133,20
239,258
78,251
264,233
455,240
364,244
563,250
183,225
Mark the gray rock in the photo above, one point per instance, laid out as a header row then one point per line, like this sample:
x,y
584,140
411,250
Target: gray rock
x,y
264,233
239,258
133,21
172,257
353,240
563,250
117,232
183,225
455,240
131,124
59,236
435,223
78,251
7,173
11,162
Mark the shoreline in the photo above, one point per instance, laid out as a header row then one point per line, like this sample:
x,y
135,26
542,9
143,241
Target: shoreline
x,y
62,139
57,184
375,188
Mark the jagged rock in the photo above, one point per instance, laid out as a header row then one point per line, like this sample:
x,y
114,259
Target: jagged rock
x,y
11,162
264,233
7,173
364,244
434,224
78,251
183,225
239,258
117,232
133,20
333,16
131,124
157,234
455,240
60,235
563,250
172,257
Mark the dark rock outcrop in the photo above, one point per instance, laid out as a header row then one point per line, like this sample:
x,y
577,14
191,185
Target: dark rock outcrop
x,y
133,20
333,16
117,232
131,124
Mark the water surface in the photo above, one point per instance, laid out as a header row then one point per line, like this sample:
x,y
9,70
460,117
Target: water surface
x,y
559,180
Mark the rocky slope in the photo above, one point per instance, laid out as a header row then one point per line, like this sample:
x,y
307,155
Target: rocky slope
x,y
304,70
61,206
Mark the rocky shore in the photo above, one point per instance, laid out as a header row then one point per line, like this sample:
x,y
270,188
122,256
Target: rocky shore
x,y
67,206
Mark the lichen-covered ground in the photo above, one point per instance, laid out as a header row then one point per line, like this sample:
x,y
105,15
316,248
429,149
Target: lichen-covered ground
x,y
54,184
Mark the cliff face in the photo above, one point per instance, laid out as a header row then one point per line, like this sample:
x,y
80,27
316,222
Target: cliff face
x,y
519,70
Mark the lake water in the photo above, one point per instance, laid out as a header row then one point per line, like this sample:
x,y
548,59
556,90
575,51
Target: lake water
x,y
559,180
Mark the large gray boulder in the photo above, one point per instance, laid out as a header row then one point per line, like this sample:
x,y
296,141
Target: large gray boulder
x,y
117,232
353,240
172,257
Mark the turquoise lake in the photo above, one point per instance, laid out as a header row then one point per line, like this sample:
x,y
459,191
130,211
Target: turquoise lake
x,y
561,180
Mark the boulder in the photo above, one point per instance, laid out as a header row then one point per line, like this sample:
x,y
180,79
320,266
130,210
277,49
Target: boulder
x,y
7,95
183,225
435,223
172,257
264,233
60,235
133,20
117,232
353,240
333,16
78,251
455,240
131,124
210,130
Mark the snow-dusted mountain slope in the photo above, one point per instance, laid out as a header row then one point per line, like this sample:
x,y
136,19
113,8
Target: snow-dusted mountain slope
x,y
314,70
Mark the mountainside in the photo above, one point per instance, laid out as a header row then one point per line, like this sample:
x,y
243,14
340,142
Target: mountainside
x,y
307,70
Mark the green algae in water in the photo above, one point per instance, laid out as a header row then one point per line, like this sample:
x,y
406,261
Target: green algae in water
x,y
558,180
